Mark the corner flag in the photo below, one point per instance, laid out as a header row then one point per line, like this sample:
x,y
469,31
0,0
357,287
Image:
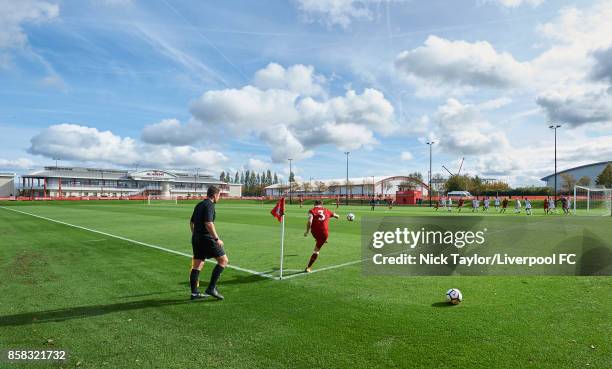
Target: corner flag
x,y
279,209
279,213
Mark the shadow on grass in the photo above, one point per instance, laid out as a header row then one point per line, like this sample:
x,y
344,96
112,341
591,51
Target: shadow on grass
x,y
239,279
441,304
60,315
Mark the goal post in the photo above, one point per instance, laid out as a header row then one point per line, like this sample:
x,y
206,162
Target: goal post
x,y
162,200
592,200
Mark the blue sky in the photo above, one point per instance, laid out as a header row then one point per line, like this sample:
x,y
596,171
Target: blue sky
x,y
242,84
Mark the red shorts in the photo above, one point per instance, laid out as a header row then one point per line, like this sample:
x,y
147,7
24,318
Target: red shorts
x,y
320,237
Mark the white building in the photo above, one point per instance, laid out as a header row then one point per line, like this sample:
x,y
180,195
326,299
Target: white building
x,y
7,184
590,171
90,182
361,186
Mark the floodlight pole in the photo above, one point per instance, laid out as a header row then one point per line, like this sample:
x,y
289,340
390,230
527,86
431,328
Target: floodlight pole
x,y
290,190
554,127
430,143
347,176
195,182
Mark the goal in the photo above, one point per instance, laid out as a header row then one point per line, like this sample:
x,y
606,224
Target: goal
x,y
162,200
592,200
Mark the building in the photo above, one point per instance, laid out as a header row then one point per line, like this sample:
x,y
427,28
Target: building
x,y
590,171
362,186
90,182
7,184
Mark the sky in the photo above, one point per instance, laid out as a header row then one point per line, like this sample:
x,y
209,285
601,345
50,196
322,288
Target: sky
x,y
234,85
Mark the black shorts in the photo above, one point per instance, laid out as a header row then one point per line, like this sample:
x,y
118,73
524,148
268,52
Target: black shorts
x,y
206,248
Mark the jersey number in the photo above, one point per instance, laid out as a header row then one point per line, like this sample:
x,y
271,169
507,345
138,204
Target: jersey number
x,y
321,215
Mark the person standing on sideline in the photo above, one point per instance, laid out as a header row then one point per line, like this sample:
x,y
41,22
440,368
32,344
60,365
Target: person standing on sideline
x,y
206,244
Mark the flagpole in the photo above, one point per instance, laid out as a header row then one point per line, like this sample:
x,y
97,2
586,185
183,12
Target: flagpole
x,y
282,245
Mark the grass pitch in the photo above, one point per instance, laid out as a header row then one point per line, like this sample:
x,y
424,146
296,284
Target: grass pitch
x,y
114,303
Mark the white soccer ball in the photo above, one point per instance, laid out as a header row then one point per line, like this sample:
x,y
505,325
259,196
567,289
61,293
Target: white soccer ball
x,y
454,296
350,217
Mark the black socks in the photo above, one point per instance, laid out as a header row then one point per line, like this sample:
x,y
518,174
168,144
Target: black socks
x,y
193,280
214,277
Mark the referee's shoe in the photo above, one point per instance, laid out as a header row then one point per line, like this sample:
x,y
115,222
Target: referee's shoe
x,y
214,293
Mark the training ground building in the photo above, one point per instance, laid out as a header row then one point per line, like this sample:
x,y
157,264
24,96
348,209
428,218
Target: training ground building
x,y
403,189
590,171
56,182
7,184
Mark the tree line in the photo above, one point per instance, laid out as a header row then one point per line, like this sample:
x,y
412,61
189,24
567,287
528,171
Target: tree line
x,y
253,183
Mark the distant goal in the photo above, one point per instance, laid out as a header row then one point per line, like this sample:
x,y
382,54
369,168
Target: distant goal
x,y
162,200
592,200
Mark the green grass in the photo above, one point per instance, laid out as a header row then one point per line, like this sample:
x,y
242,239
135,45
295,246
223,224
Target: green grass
x,y
115,304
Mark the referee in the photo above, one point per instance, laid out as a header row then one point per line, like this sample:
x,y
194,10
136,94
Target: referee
x,y
206,244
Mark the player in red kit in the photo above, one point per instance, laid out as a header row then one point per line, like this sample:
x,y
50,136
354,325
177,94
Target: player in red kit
x,y
318,225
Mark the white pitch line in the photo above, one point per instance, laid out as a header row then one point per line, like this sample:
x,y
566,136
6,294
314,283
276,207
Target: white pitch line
x,y
136,242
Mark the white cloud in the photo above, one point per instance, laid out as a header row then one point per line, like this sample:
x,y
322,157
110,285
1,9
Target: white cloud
x,y
85,144
462,129
602,70
577,109
289,120
460,64
335,12
258,165
14,13
406,155
171,131
19,163
297,78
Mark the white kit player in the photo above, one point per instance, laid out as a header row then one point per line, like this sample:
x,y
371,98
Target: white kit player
x,y
475,204
485,205
527,206
517,205
551,206
449,204
497,203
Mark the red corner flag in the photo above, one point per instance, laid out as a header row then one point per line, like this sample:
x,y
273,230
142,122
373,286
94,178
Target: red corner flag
x,y
279,209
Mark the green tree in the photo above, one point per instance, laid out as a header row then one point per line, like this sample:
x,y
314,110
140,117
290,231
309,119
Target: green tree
x,y
605,177
568,182
275,178
457,183
584,181
222,177
291,177
236,178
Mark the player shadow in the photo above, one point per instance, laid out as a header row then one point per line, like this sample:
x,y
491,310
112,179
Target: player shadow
x,y
237,279
79,312
149,294
441,304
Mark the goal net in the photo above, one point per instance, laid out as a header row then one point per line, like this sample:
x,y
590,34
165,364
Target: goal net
x,y
592,200
162,200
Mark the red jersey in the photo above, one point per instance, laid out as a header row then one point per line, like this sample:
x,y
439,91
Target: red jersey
x,y
320,219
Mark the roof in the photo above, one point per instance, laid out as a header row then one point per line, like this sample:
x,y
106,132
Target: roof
x,y
10,175
115,174
340,182
574,168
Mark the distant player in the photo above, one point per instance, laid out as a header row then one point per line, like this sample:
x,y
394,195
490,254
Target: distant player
x,y
496,203
337,202
504,205
372,203
551,206
475,203
527,206
390,203
546,204
517,206
460,204
301,201
485,204
318,226
569,204
449,204
564,204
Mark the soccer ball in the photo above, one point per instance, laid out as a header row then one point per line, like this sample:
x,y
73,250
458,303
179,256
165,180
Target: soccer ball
x,y
350,217
454,296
